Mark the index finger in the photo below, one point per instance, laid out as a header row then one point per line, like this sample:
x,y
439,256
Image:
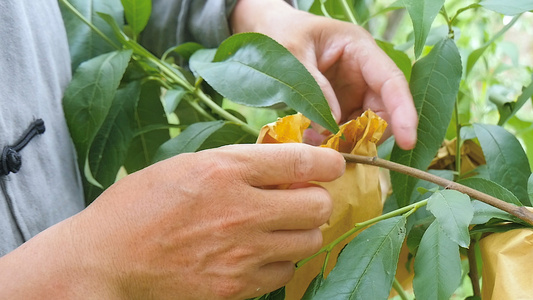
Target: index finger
x,y
385,79
275,164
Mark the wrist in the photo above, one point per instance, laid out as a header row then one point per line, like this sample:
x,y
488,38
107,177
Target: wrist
x,y
258,15
49,266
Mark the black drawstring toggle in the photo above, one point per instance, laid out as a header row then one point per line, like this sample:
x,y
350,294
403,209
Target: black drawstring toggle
x,y
11,161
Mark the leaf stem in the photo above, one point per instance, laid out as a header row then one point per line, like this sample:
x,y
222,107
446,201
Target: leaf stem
x,y
84,20
158,80
174,77
458,140
348,12
359,226
444,13
517,211
461,10
399,289
223,113
324,10
201,111
326,260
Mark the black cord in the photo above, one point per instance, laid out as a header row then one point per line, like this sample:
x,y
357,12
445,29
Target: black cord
x,y
10,160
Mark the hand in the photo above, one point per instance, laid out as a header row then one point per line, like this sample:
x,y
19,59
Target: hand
x,y
353,72
207,225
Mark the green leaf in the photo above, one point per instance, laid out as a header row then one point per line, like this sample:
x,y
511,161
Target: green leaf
x,y
491,188
189,140
313,287
201,57
430,186
149,113
254,70
330,9
185,50
507,162
366,267
187,114
437,265
110,146
398,4
476,54
417,232
361,12
523,131
509,7
137,13
89,97
401,59
116,29
173,98
434,85
229,134
454,213
527,93
385,149
84,43
498,227
484,213
530,188
278,294
422,13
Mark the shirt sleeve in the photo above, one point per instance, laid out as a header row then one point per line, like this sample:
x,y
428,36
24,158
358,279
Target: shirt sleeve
x,y
174,22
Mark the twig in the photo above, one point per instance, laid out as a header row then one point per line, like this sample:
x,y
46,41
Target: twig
x,y
517,211
473,274
73,10
406,211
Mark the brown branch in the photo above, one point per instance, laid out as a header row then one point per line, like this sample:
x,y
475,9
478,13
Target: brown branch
x,y
517,211
473,274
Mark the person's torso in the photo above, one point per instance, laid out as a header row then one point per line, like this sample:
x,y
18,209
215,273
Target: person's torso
x,y
34,71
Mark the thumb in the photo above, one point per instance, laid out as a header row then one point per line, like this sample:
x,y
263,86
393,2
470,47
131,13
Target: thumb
x,y
275,164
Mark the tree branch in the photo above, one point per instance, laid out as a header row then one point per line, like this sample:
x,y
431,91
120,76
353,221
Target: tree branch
x,y
517,211
473,274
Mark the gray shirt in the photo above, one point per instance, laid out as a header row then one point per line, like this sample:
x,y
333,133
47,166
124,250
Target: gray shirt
x,y
174,22
34,71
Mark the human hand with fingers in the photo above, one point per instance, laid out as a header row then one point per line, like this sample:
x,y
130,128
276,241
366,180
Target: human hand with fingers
x,y
208,225
353,72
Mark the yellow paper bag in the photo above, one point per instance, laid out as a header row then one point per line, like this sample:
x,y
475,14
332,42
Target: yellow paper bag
x,y
507,260
356,195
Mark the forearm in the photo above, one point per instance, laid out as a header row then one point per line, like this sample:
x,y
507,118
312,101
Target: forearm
x,y
48,267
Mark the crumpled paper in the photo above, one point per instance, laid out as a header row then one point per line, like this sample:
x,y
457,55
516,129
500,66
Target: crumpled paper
x,y
471,156
356,195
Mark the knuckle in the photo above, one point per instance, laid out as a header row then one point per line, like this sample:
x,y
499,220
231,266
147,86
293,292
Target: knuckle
x,y
394,80
315,241
339,163
323,206
214,168
229,288
286,275
241,254
302,164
